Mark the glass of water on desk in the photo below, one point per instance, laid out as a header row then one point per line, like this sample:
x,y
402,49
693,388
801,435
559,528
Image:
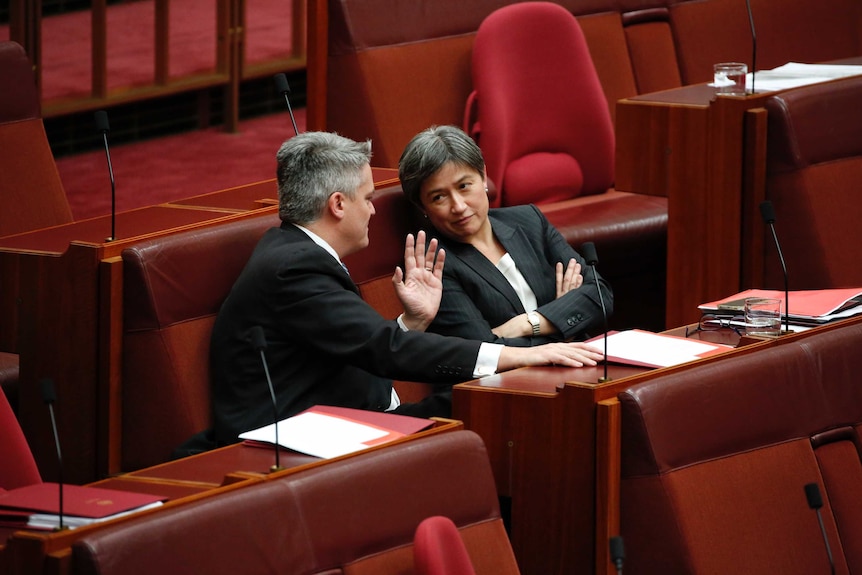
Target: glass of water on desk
x,y
729,78
762,317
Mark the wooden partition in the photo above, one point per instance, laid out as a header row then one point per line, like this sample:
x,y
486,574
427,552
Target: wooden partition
x,y
707,156
62,291
231,64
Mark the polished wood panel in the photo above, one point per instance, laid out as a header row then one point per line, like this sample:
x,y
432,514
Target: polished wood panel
x,y
64,300
700,152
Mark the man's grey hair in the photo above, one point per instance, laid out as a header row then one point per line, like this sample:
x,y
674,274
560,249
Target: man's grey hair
x,y
311,167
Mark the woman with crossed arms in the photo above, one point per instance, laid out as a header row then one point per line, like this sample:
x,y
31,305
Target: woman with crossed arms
x,y
510,276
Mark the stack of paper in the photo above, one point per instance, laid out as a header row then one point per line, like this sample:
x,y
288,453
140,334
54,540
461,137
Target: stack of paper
x,y
806,306
325,431
794,75
38,506
647,349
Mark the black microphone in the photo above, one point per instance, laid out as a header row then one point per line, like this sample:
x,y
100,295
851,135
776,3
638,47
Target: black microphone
x,y
258,342
104,127
768,214
618,553
49,396
589,252
815,502
283,88
753,43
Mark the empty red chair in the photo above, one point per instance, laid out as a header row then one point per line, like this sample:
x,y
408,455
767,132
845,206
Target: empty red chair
x,y
17,466
439,550
543,121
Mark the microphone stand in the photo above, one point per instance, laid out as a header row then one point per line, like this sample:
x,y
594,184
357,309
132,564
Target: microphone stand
x,y
786,287
284,88
604,378
589,252
618,554
768,214
815,502
103,126
753,43
49,396
258,340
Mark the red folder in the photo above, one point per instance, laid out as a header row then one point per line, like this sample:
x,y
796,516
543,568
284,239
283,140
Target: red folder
x,y
81,504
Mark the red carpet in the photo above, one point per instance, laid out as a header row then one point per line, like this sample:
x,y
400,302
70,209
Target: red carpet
x,y
66,42
175,167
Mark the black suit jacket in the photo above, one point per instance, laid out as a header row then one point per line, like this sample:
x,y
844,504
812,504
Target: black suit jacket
x,y
325,344
477,297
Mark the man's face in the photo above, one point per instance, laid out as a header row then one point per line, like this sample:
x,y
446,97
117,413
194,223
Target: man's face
x,y
358,212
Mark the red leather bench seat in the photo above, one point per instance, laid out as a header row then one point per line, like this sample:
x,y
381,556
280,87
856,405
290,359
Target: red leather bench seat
x,y
715,459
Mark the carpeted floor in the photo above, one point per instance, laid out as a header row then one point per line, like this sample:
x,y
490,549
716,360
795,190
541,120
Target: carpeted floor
x,y
175,167
66,66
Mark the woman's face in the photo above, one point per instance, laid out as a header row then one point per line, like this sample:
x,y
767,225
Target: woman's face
x,y
455,201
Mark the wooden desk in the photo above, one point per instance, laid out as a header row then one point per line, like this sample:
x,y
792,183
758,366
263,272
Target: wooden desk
x,y
553,438
183,481
707,155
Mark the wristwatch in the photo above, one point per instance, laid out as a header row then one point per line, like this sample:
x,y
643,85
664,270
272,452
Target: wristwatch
x,y
534,320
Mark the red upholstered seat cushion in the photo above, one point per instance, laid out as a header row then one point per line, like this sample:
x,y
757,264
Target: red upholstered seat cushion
x,y
558,176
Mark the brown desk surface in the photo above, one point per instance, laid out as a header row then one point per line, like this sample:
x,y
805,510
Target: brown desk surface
x,y
129,225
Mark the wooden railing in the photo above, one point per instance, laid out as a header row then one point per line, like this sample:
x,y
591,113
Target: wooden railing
x,y
231,64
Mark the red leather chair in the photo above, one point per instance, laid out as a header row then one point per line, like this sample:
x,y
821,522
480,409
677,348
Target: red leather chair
x,y
31,193
17,466
814,166
439,550
540,116
31,190
544,125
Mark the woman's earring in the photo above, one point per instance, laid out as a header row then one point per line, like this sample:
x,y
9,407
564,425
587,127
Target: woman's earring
x,y
486,189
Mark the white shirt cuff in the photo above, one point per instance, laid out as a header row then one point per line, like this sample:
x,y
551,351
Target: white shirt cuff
x,y
400,321
486,361
394,400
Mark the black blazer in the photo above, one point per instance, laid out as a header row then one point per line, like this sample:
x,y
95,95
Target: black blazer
x,y
325,344
477,297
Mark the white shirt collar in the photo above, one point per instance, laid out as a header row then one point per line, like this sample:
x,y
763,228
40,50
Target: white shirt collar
x,y
321,242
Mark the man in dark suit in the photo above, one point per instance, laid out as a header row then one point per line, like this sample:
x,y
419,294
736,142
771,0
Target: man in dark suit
x,y
325,344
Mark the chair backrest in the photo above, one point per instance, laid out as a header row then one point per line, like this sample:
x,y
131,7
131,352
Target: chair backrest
x,y
357,515
544,125
714,461
814,170
439,550
173,289
17,466
31,192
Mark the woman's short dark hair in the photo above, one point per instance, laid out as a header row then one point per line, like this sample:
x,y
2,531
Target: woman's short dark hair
x,y
429,151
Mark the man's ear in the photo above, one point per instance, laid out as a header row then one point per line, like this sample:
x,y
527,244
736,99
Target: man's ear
x,y
335,205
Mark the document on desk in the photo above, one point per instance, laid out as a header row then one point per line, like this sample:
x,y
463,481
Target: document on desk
x,y
37,506
327,432
648,349
806,306
794,75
